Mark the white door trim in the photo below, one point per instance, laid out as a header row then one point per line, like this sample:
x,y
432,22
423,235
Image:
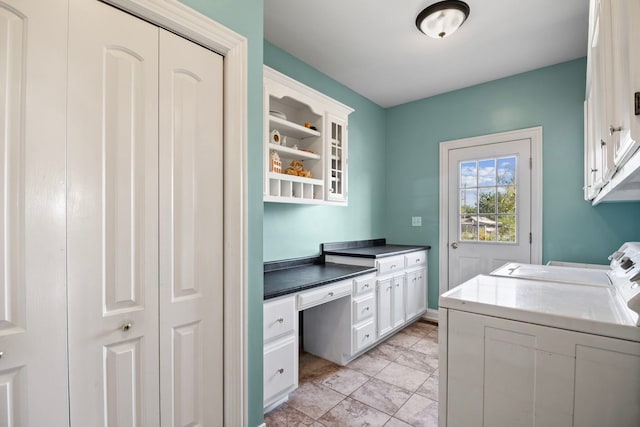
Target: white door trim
x,y
192,25
535,134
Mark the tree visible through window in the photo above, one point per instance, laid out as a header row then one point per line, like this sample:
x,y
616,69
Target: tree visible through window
x,y
488,194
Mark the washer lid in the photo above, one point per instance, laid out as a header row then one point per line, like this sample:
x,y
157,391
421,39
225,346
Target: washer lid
x,y
589,309
582,276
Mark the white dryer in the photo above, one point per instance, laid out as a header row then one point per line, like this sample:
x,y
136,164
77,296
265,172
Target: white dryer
x,y
543,346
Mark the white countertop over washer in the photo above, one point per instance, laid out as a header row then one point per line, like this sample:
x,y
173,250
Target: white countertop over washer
x,y
588,309
543,346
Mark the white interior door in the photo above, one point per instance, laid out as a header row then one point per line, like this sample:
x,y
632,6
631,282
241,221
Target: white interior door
x,y
489,211
33,380
191,256
112,208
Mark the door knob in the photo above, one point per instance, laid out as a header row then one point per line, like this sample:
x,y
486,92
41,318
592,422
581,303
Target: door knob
x,y
454,245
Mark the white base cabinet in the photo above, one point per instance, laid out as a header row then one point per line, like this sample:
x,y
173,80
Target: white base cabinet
x,y
504,373
280,334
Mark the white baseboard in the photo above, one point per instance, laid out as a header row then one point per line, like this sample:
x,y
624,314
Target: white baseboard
x,y
431,314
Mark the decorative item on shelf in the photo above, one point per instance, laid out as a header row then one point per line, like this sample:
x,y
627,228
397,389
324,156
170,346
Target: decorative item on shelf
x,y
295,146
296,168
275,137
275,165
307,125
313,128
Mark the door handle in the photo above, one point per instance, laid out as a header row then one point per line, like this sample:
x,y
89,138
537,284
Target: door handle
x,y
454,245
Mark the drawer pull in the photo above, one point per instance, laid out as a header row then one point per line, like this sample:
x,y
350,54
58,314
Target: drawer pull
x,y
393,266
366,285
330,294
366,336
280,320
367,308
417,259
397,285
281,371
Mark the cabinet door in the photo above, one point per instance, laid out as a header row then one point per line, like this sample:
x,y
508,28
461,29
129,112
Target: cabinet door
x,y
398,301
622,57
605,89
33,365
634,71
336,159
416,293
385,307
112,208
191,253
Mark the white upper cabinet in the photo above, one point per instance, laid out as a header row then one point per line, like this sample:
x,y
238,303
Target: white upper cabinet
x,y
612,124
305,143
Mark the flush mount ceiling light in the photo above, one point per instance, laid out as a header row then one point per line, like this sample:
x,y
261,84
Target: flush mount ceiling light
x,y
443,18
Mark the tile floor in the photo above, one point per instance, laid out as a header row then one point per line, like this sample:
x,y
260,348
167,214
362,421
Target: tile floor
x,y
394,384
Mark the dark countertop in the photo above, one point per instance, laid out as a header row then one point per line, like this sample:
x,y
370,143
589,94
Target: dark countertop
x,y
377,248
287,277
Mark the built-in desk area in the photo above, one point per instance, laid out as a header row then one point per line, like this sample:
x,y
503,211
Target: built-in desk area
x,y
351,297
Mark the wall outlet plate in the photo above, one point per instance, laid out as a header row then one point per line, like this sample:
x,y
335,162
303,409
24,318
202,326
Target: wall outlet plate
x,y
416,221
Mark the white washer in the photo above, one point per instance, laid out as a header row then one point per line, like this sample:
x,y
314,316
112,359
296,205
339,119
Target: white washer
x,y
538,352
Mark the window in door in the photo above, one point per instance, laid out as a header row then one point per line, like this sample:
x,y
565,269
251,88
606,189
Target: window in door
x,y
488,195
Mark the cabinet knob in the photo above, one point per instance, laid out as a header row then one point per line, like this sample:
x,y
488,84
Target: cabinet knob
x,y
125,327
330,294
280,320
603,143
613,129
366,285
281,371
594,170
367,308
417,259
366,336
454,245
397,285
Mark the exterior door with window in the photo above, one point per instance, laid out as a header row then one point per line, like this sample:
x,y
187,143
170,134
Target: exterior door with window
x,y
489,211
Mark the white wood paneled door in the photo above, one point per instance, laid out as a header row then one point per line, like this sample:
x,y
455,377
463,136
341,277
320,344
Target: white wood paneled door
x,y
191,202
33,380
112,204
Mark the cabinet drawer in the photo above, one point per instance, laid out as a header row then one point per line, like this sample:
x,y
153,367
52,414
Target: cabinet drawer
x,y
278,317
415,258
363,285
390,265
363,308
323,294
363,336
280,369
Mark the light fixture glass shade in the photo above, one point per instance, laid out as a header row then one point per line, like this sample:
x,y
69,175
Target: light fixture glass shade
x,y
442,19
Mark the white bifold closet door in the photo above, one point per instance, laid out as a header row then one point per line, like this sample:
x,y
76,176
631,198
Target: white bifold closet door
x,y
191,299
33,61
144,224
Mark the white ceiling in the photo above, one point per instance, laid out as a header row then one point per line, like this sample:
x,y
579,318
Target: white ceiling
x,y
374,48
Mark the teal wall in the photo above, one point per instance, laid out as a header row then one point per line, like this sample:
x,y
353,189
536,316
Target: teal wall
x,y
245,17
292,231
550,97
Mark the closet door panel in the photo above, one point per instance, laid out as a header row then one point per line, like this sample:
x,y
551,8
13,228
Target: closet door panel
x,y
33,362
112,217
191,317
